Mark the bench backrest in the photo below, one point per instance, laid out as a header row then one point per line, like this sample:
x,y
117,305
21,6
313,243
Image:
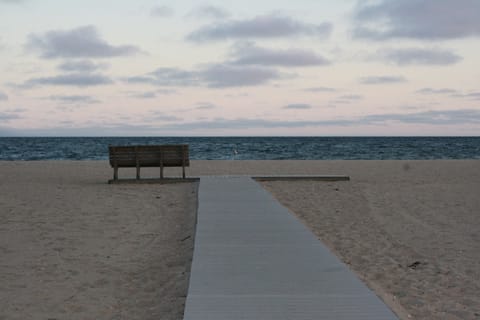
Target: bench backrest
x,y
149,156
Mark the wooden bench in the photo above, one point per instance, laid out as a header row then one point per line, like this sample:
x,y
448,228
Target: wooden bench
x,y
148,156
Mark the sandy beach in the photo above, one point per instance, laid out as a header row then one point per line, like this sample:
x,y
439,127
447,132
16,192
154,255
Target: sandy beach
x,y
72,246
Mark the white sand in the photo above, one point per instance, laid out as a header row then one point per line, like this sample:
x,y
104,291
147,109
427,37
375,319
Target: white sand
x,y
411,231
73,247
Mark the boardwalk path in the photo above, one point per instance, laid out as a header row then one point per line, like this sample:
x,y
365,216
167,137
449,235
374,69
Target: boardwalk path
x,y
254,260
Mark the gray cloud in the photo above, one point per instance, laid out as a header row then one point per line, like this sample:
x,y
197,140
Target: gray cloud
x,y
147,78
244,123
168,77
12,1
426,19
17,110
298,106
161,116
167,118
382,80
7,116
145,95
82,42
165,91
346,99
74,99
445,117
437,91
205,106
214,76
76,79
320,89
151,94
436,118
161,11
413,56
223,75
3,96
266,26
452,92
69,129
208,11
250,54
471,95
351,97
81,66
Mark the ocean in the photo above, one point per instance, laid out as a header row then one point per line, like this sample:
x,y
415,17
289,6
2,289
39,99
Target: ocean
x,y
250,148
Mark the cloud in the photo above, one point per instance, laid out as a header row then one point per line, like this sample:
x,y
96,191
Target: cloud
x,y
298,106
205,106
168,77
68,128
151,94
471,95
145,95
351,97
437,91
12,1
452,92
320,89
382,79
75,79
347,99
223,75
165,91
3,96
208,11
81,66
445,117
435,117
265,26
161,116
432,117
166,118
413,56
251,54
245,123
413,19
74,99
3,45
161,11
213,76
82,42
7,116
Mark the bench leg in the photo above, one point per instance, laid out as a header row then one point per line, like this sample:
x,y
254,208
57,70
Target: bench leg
x,y
138,173
183,171
115,173
161,172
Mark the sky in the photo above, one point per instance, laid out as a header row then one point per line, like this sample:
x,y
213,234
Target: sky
x,y
239,68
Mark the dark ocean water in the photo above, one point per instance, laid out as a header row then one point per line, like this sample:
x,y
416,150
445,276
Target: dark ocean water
x,y
251,148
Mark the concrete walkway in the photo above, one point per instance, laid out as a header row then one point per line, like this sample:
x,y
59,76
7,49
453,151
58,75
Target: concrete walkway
x,y
254,260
